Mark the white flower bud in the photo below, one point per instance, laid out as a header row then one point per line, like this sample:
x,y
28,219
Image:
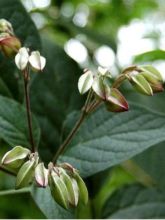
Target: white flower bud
x,y
37,61
22,58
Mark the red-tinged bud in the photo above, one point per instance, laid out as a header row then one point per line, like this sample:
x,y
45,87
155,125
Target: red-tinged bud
x,y
41,175
116,102
67,167
9,45
154,82
6,27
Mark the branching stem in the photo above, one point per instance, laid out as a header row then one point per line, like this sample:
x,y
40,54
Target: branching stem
x,y
75,128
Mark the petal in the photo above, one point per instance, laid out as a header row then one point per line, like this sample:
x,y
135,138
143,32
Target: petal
x,y
85,82
21,59
41,175
37,62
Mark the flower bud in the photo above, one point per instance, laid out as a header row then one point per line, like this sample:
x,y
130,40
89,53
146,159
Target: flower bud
x,y
152,72
83,192
116,102
58,189
72,187
9,44
85,82
37,61
68,167
22,58
41,175
6,27
15,157
26,172
141,84
155,84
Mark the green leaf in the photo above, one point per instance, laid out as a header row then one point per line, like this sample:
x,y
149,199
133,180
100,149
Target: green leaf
x,y
48,206
13,124
152,161
55,93
135,202
4,90
25,30
150,56
105,139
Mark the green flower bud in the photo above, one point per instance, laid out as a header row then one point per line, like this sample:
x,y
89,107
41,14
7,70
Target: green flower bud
x,y
15,158
141,84
85,81
58,189
72,187
6,27
9,45
152,72
155,84
26,172
116,102
41,175
83,192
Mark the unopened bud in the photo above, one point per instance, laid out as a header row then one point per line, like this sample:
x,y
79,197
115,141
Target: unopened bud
x,y
26,172
152,72
85,82
72,187
141,84
58,189
155,84
83,192
9,45
6,27
41,175
15,157
116,102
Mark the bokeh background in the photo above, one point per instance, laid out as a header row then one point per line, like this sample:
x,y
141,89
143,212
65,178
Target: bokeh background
x,y
110,33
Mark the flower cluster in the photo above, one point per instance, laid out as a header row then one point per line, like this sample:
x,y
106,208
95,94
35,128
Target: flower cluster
x,y
67,187
9,43
145,79
24,58
101,85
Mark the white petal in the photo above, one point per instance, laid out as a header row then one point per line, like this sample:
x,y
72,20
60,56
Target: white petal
x,y
85,82
21,59
37,62
98,87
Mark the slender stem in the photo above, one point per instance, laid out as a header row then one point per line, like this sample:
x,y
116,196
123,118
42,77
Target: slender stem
x,y
75,128
7,171
93,106
119,81
28,109
70,136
